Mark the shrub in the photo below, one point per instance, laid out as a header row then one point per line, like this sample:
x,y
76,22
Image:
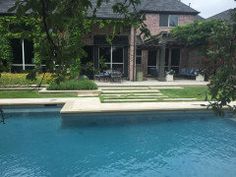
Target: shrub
x,y
10,79
83,84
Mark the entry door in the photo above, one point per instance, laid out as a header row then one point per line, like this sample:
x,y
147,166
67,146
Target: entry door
x,y
172,59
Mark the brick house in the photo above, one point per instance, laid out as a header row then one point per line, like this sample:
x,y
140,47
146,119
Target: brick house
x,y
130,53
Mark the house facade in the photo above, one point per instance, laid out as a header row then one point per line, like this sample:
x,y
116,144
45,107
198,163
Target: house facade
x,y
129,53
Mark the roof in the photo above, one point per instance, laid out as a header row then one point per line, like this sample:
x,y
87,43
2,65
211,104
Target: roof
x,y
166,6
225,16
198,17
146,6
5,5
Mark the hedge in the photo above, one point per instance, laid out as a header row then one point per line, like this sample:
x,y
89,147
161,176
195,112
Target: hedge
x,y
83,84
10,79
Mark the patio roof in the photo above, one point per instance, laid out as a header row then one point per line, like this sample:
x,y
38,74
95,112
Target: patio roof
x,y
164,38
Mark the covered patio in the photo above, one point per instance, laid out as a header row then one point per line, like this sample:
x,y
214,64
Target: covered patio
x,y
161,54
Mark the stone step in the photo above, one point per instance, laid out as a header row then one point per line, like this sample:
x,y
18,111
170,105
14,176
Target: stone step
x,y
180,99
140,88
129,91
129,100
124,88
131,94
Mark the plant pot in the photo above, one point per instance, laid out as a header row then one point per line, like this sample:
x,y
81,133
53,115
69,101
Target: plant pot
x,y
200,78
139,76
169,78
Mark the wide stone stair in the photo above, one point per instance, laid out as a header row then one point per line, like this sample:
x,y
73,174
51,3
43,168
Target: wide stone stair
x,y
131,94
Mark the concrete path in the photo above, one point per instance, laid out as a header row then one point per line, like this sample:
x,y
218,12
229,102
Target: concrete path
x,y
152,83
34,101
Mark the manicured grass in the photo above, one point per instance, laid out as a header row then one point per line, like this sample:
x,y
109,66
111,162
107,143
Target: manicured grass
x,y
197,93
33,94
188,92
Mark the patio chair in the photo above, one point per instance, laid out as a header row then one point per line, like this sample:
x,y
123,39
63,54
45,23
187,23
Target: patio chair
x,y
103,76
153,71
189,72
116,76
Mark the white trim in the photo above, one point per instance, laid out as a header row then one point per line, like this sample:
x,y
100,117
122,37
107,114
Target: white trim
x,y
169,21
23,53
111,58
25,65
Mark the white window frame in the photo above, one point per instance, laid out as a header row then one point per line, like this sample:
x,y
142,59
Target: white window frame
x,y
169,16
168,23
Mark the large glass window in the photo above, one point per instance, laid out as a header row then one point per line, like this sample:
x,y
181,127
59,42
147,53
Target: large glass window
x,y
152,62
169,20
113,57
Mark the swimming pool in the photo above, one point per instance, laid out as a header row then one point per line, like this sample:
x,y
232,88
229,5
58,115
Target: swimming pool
x,y
146,144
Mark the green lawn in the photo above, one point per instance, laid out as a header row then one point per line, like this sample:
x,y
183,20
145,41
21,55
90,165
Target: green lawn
x,y
33,94
198,92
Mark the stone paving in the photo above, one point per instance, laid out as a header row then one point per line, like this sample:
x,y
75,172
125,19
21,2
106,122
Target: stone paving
x,y
93,105
153,83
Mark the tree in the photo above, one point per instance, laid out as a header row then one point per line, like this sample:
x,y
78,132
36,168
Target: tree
x,y
65,22
218,41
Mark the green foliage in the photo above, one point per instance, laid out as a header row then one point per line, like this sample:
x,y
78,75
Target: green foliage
x,y
66,22
12,27
218,39
10,79
83,84
197,33
33,94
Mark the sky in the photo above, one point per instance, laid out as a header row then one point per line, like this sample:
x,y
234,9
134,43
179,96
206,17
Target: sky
x,y
209,8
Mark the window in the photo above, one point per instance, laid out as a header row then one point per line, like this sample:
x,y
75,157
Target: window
x,y
169,20
113,56
173,20
138,57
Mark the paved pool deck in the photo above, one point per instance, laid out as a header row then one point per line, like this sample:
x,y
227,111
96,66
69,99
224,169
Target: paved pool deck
x,y
93,105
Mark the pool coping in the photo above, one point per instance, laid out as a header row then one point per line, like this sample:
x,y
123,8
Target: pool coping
x,y
93,105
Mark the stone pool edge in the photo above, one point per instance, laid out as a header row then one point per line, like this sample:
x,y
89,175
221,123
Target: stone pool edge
x,y
93,105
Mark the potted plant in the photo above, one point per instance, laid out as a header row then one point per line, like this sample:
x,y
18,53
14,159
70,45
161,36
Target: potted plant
x,y
170,75
200,78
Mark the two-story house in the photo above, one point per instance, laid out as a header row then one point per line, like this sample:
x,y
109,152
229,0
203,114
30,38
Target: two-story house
x,y
130,53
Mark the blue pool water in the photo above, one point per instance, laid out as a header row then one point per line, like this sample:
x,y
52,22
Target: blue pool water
x,y
191,144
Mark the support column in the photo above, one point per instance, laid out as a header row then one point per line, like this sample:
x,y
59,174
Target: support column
x,y
162,63
144,62
132,55
23,53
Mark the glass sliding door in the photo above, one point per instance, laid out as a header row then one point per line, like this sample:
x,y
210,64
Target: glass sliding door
x,y
113,57
152,62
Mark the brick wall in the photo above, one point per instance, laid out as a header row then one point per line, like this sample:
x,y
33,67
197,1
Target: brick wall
x,y
152,21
